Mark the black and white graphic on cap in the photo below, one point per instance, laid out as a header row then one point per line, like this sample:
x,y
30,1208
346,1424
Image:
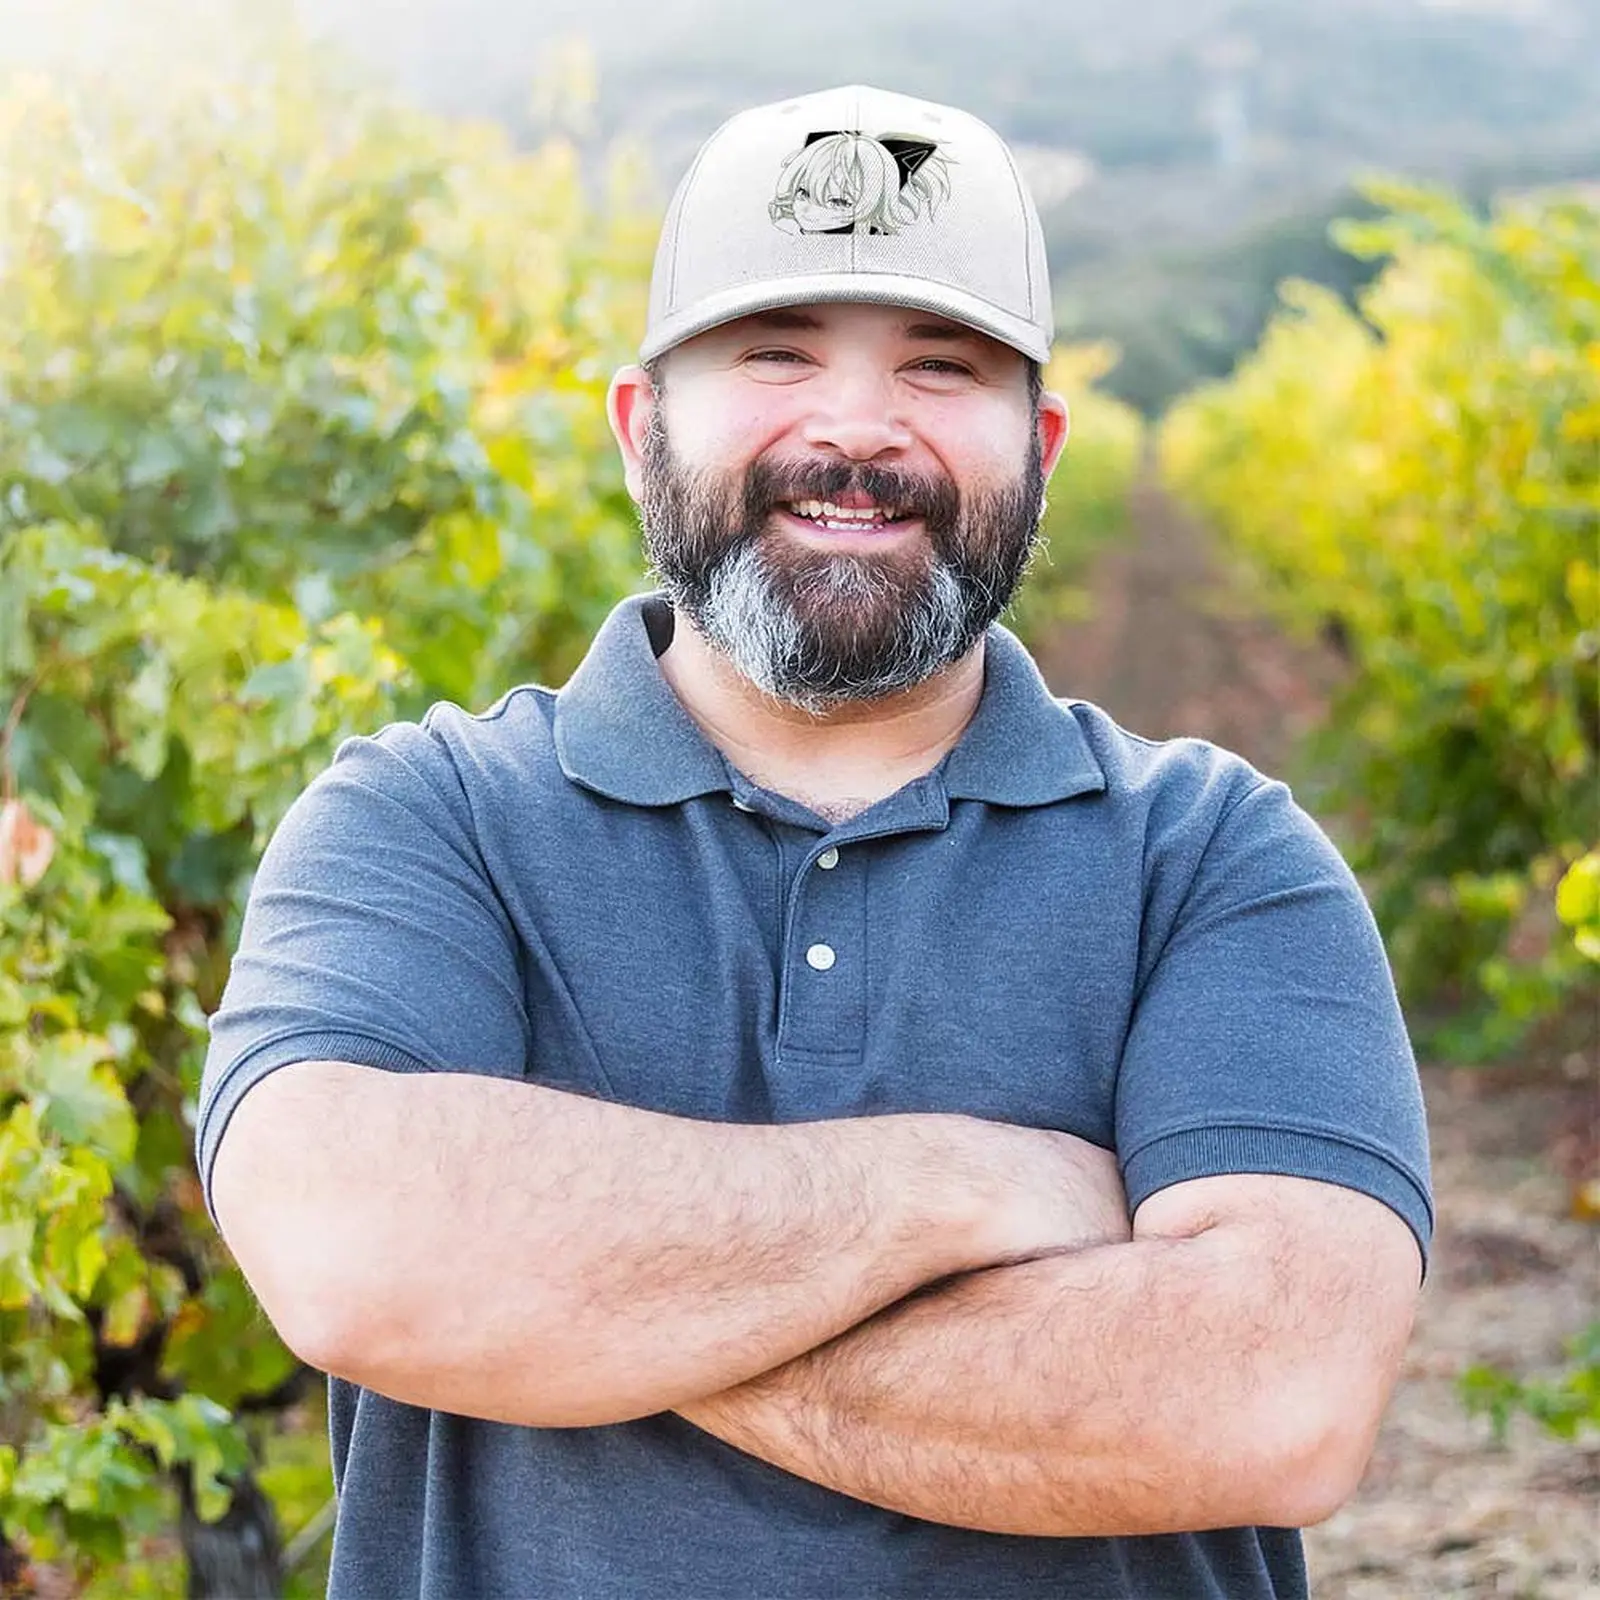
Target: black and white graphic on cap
x,y
847,182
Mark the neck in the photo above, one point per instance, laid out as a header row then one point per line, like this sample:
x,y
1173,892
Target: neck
x,y
840,761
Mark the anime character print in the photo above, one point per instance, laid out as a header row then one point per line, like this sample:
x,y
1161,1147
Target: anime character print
x,y
847,182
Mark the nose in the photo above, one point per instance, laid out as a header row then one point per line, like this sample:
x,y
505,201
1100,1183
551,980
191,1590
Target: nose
x,y
856,414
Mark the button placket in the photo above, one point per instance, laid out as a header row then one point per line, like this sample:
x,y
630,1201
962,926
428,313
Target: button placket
x,y
824,1007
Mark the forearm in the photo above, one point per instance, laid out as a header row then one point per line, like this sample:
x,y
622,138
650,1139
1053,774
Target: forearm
x,y
1111,1392
504,1250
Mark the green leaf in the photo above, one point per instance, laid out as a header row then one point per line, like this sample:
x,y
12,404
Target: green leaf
x,y
19,1282
157,457
278,681
79,1099
126,859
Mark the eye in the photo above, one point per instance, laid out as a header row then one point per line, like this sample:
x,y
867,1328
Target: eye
x,y
775,365
840,204
941,367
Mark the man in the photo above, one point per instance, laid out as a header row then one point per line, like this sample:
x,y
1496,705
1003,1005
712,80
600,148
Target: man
x,y
695,1116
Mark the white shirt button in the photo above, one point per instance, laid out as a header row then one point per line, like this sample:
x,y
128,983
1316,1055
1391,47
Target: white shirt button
x,y
820,957
829,859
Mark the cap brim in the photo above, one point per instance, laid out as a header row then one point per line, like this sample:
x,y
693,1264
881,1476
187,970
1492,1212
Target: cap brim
x,y
838,288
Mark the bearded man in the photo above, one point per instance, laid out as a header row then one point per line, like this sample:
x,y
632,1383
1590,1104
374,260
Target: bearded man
x,y
801,1111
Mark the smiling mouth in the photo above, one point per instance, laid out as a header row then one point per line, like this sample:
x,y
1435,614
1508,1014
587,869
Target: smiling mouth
x,y
833,518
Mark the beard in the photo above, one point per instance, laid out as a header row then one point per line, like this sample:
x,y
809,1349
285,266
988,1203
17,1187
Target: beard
x,y
817,629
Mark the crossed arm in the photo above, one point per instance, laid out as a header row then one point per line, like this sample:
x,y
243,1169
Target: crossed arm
x,y
1227,1366
940,1315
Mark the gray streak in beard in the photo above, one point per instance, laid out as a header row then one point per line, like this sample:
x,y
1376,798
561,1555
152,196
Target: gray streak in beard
x,y
745,617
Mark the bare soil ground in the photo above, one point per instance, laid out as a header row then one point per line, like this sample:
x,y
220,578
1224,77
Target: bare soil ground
x,y
1172,647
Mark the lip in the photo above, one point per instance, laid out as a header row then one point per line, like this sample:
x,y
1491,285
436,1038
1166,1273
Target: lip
x,y
866,538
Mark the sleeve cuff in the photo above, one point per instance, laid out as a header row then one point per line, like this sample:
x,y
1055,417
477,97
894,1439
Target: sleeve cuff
x,y
1211,1152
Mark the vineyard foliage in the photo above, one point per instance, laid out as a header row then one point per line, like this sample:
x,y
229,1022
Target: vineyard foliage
x,y
301,429
1418,482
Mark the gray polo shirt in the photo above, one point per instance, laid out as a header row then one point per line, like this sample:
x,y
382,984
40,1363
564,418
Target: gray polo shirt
x,y
1063,925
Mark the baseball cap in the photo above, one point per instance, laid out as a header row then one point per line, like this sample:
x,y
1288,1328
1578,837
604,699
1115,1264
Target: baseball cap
x,y
852,194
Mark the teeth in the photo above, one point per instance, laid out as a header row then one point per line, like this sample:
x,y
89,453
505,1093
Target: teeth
x,y
827,511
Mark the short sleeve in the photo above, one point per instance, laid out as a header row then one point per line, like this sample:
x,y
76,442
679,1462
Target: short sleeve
x,y
1267,1037
372,934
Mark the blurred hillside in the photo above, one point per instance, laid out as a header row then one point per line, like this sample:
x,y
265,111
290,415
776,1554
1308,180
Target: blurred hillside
x,y
1186,153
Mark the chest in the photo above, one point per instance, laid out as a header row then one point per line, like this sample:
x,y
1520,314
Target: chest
x,y
744,970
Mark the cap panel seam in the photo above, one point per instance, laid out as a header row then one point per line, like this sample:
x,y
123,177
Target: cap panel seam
x,y
1027,238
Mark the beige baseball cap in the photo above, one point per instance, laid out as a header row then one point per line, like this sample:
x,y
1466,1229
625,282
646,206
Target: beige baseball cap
x,y
852,194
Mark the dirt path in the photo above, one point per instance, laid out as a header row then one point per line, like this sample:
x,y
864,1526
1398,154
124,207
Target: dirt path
x,y
1443,1512
1171,647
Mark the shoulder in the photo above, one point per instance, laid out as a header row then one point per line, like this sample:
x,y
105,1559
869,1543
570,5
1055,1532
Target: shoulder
x,y
1134,762
457,754
1206,821
444,776
1181,786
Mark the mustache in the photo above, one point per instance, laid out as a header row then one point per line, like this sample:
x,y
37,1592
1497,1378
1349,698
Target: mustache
x,y
771,483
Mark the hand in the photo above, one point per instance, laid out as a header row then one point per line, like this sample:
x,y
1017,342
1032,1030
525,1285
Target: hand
x,y
1043,1193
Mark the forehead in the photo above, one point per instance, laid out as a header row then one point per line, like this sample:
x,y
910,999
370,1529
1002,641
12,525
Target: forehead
x,y
855,320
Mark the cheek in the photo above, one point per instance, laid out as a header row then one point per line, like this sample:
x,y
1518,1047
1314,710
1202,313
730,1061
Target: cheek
x,y
739,432
981,449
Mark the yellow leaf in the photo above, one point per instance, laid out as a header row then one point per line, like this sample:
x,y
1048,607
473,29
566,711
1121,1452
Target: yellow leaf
x,y
126,1316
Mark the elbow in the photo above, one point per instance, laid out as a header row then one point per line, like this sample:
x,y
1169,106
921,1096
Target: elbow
x,y
351,1325
349,1313
1317,1467
317,1301
1312,1494
312,1305
315,1321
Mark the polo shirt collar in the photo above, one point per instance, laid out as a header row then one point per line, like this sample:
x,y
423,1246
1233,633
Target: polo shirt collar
x,y
1022,747
622,732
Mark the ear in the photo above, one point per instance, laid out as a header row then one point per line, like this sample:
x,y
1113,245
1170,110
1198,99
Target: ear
x,y
1055,423
629,404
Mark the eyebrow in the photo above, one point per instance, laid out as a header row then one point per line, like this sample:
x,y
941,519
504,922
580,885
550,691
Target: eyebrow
x,y
794,321
943,333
